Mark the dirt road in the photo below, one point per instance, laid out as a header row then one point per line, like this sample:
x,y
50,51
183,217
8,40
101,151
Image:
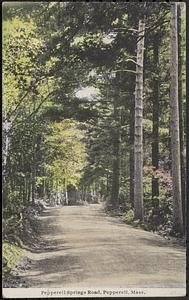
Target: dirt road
x,y
87,248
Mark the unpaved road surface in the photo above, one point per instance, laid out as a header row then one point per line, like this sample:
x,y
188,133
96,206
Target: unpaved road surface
x,y
87,248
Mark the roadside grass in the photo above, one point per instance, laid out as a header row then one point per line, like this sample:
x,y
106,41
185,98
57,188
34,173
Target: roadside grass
x,y
148,224
16,237
11,256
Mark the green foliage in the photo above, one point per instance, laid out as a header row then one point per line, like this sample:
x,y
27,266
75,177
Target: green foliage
x,y
67,153
58,140
11,255
129,216
158,216
24,91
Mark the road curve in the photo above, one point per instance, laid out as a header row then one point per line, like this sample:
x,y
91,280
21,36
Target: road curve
x,y
86,248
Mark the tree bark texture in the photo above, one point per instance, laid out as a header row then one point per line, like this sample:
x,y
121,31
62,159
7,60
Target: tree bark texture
x,y
180,100
175,133
155,130
138,138
131,153
33,173
116,154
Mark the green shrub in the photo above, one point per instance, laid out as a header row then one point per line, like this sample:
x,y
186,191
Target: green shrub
x,y
11,255
129,216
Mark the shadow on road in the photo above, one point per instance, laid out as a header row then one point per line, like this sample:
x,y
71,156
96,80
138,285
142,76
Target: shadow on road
x,y
56,270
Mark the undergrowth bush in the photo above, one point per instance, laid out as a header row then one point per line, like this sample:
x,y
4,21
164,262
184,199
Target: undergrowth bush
x,y
11,255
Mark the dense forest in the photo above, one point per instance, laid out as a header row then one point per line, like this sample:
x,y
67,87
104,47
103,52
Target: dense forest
x,y
94,100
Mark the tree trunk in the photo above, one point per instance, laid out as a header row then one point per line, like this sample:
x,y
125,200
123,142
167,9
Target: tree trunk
x,y
131,153
155,130
33,185
44,189
180,100
116,155
66,192
33,175
107,183
6,141
175,137
29,188
187,151
25,190
132,85
138,138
